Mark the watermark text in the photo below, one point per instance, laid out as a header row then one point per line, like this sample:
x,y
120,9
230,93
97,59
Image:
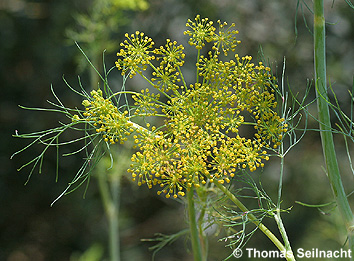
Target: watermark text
x,y
314,253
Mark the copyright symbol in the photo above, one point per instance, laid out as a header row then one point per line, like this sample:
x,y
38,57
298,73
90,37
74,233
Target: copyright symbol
x,y
237,253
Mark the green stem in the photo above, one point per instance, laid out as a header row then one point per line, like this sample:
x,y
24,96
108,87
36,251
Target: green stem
x,y
277,215
198,56
114,220
289,255
325,122
193,227
282,231
110,199
182,77
202,196
278,219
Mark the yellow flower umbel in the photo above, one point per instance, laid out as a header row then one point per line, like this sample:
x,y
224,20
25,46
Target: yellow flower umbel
x,y
106,118
202,30
200,138
136,53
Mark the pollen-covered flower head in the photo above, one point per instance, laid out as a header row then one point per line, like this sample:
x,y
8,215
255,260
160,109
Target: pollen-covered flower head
x,y
171,54
201,31
135,54
106,118
225,38
170,57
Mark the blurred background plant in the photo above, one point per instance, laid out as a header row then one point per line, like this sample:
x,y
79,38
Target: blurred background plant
x,y
34,56
97,33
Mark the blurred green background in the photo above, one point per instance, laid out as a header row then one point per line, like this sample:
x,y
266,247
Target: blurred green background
x,y
37,49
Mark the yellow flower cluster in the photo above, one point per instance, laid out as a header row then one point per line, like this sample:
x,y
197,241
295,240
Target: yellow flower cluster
x,y
106,118
136,53
200,139
146,103
164,162
202,30
166,75
225,39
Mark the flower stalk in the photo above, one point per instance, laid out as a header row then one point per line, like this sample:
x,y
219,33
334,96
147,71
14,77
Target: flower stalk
x,y
333,172
288,253
110,193
193,227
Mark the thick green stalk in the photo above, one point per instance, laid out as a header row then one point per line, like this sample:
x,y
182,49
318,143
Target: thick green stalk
x,y
193,227
114,220
282,231
289,255
325,122
110,199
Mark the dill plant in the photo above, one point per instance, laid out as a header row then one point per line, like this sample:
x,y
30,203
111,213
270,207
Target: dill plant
x,y
197,152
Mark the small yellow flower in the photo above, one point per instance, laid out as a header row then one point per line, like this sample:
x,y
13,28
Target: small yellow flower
x,y
76,118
